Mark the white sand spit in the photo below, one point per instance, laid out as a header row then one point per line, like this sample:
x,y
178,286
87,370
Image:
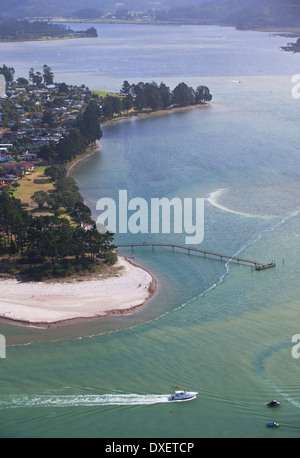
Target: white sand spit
x,y
36,303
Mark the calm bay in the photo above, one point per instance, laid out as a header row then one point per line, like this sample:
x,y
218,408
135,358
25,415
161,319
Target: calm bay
x,y
215,327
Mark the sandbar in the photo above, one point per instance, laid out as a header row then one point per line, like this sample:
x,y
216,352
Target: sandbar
x,y
44,303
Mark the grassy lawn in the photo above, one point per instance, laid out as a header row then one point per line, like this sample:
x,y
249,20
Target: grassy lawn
x,y
106,93
27,187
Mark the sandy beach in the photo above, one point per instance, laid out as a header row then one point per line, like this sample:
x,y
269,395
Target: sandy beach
x,y
48,303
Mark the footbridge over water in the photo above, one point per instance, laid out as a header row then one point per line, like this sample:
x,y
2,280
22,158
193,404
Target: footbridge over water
x,y
256,264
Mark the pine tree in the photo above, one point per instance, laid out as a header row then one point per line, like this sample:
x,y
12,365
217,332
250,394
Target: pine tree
x,y
48,75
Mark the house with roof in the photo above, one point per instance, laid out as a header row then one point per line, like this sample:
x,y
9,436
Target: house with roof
x,y
6,157
30,156
9,178
29,167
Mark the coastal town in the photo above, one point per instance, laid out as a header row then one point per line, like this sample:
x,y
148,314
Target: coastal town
x,y
32,117
36,115
46,230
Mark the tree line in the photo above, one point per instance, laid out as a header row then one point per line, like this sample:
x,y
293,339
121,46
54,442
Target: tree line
x,y
13,29
151,96
51,246
292,47
16,29
37,78
86,131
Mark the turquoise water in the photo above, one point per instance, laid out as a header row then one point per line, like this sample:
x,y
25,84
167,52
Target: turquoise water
x,y
214,327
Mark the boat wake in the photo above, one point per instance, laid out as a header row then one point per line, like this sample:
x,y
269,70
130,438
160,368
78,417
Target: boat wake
x,y
213,199
286,397
11,401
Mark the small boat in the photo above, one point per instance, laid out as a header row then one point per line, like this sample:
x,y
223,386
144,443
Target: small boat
x,y
273,403
182,396
272,424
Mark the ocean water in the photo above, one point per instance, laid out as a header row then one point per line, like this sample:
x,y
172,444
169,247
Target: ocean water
x,y
215,327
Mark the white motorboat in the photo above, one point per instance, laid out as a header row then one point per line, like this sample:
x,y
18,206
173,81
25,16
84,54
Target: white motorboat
x,y
183,396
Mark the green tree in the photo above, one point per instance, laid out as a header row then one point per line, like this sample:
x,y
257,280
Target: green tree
x,y
8,73
22,81
40,198
48,76
165,95
126,88
182,95
63,89
140,101
91,32
89,123
107,108
47,118
35,78
127,102
82,214
202,95
152,94
56,172
47,152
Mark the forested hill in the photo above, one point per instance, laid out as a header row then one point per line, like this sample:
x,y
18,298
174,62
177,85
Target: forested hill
x,y
13,29
242,14
239,13
65,8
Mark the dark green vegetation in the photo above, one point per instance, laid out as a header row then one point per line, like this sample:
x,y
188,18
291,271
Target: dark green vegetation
x,y
8,73
86,131
44,247
243,14
11,29
61,239
292,47
145,97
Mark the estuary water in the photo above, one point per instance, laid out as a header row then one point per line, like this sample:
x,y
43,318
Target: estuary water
x,y
215,327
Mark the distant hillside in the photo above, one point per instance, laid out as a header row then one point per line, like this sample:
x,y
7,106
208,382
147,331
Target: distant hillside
x,y
275,13
242,14
66,8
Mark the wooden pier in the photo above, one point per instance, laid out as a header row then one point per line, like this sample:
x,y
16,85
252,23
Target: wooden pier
x,y
256,264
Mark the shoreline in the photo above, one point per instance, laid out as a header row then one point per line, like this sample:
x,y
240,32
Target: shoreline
x,y
157,113
21,311
47,304
198,22
81,158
